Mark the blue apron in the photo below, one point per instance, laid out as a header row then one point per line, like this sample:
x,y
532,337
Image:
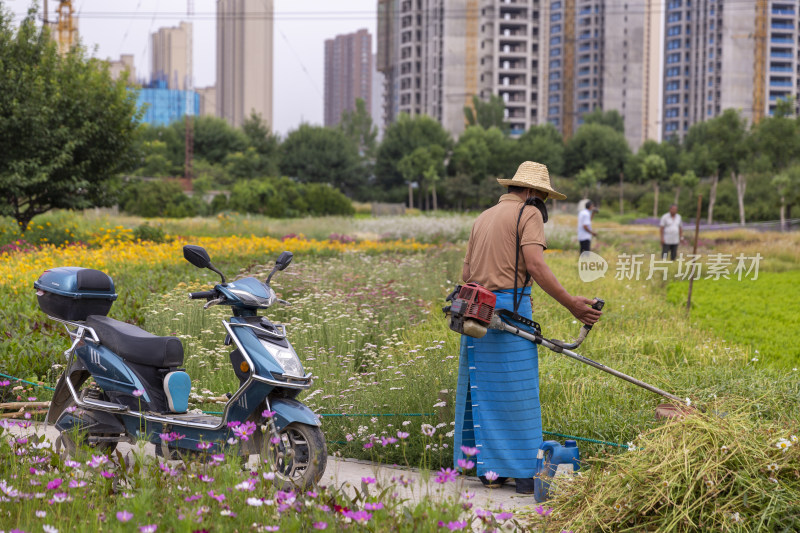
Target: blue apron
x,y
497,399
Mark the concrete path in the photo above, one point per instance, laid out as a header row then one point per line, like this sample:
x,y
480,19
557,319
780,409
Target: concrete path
x,y
347,474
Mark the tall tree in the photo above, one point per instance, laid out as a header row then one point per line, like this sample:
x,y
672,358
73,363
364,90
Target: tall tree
x,y
722,141
610,118
265,144
315,154
542,144
400,139
596,143
214,138
425,166
358,127
66,128
488,114
654,170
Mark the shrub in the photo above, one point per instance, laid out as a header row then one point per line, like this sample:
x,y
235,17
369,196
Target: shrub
x,y
158,198
283,197
146,232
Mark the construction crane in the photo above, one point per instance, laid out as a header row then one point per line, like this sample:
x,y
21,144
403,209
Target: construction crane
x,y
66,31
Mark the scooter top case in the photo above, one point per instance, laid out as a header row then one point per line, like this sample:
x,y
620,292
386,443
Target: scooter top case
x,y
74,293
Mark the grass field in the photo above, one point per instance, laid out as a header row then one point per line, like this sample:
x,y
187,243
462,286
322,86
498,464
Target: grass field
x,y
366,320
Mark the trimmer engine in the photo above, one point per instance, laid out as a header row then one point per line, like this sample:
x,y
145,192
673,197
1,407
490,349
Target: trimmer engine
x,y
471,309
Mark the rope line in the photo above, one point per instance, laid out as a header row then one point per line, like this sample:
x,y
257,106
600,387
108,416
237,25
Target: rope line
x,y
353,415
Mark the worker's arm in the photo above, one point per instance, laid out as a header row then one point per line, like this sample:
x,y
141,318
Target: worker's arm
x,y
465,272
589,229
661,232
579,306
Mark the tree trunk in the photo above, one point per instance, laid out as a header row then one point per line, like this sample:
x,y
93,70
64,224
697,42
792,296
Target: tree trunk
x,y
783,213
741,184
410,196
435,203
621,196
677,194
655,199
712,196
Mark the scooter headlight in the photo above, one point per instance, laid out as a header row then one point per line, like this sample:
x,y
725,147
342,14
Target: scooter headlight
x,y
286,358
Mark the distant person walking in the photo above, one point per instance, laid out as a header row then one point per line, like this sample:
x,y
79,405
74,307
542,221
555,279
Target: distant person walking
x,y
585,232
671,230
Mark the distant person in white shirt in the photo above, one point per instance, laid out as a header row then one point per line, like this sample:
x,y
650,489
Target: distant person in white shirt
x,y
671,232
585,232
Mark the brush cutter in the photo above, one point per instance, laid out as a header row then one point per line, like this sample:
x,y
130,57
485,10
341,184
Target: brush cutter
x,y
472,312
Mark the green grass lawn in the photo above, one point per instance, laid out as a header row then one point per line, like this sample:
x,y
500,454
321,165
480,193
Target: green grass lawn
x,y
763,314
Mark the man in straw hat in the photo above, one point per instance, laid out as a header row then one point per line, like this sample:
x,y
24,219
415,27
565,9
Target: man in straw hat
x,y
497,400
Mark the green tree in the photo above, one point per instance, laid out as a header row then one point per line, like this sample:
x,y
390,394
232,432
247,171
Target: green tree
x,y
679,180
244,165
469,166
722,141
157,197
487,114
589,177
265,144
315,154
155,161
542,144
424,165
66,128
214,139
400,139
610,118
787,184
596,143
358,127
654,170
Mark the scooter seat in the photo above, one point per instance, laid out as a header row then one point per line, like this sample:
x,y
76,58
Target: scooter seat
x,y
134,344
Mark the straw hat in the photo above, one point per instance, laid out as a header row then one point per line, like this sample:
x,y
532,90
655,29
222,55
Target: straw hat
x,y
533,176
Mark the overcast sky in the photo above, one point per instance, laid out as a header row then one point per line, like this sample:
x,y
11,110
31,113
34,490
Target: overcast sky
x,y
113,27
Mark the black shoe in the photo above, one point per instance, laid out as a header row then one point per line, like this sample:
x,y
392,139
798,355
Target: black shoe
x,y
524,486
496,484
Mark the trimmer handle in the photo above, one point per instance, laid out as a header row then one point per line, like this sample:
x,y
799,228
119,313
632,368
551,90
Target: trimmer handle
x,y
598,305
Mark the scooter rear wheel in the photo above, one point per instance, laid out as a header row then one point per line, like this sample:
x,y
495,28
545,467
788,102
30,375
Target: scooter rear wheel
x,y
300,457
69,442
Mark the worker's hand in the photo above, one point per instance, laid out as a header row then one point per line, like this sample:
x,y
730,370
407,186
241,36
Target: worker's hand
x,y
580,309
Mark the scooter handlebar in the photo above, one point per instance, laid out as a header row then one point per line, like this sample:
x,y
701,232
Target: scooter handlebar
x,y
202,295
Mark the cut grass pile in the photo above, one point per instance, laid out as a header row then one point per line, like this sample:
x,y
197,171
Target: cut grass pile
x,y
728,469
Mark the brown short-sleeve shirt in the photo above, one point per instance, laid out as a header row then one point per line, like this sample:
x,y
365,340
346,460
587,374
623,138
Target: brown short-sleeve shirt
x,y
492,243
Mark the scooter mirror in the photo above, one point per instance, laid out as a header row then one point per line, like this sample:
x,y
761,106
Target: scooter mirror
x,y
196,255
283,260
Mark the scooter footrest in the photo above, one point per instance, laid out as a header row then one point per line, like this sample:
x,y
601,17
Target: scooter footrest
x,y
177,386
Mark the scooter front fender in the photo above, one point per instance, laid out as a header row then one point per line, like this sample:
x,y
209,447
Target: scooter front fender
x,y
288,411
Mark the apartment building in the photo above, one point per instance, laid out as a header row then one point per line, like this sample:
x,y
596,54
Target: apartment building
x,y
171,50
510,59
722,54
244,59
348,74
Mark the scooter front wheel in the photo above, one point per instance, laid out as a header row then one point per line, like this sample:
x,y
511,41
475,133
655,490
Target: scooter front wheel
x,y
299,459
69,442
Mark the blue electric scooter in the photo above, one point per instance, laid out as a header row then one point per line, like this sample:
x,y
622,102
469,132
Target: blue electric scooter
x,y
139,390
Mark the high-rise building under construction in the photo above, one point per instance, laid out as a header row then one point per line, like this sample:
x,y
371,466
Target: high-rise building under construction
x,y
244,59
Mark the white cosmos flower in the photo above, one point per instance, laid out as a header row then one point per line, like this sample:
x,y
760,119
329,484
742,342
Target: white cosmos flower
x,y
255,502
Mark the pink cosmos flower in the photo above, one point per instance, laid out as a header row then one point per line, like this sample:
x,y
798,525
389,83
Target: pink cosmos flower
x,y
320,525
368,480
465,464
266,413
138,392
358,516
219,497
203,445
490,475
124,516
385,441
446,475
470,451
454,526
5,383
373,506
106,474
76,484
148,529
402,435
541,510
504,516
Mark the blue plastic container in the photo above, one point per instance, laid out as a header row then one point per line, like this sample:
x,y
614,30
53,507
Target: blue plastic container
x,y
553,459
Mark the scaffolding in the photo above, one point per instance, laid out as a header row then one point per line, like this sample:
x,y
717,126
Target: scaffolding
x,y
759,61
65,28
569,69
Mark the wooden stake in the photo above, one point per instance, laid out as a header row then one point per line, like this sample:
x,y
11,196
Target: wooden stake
x,y
694,251
16,406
